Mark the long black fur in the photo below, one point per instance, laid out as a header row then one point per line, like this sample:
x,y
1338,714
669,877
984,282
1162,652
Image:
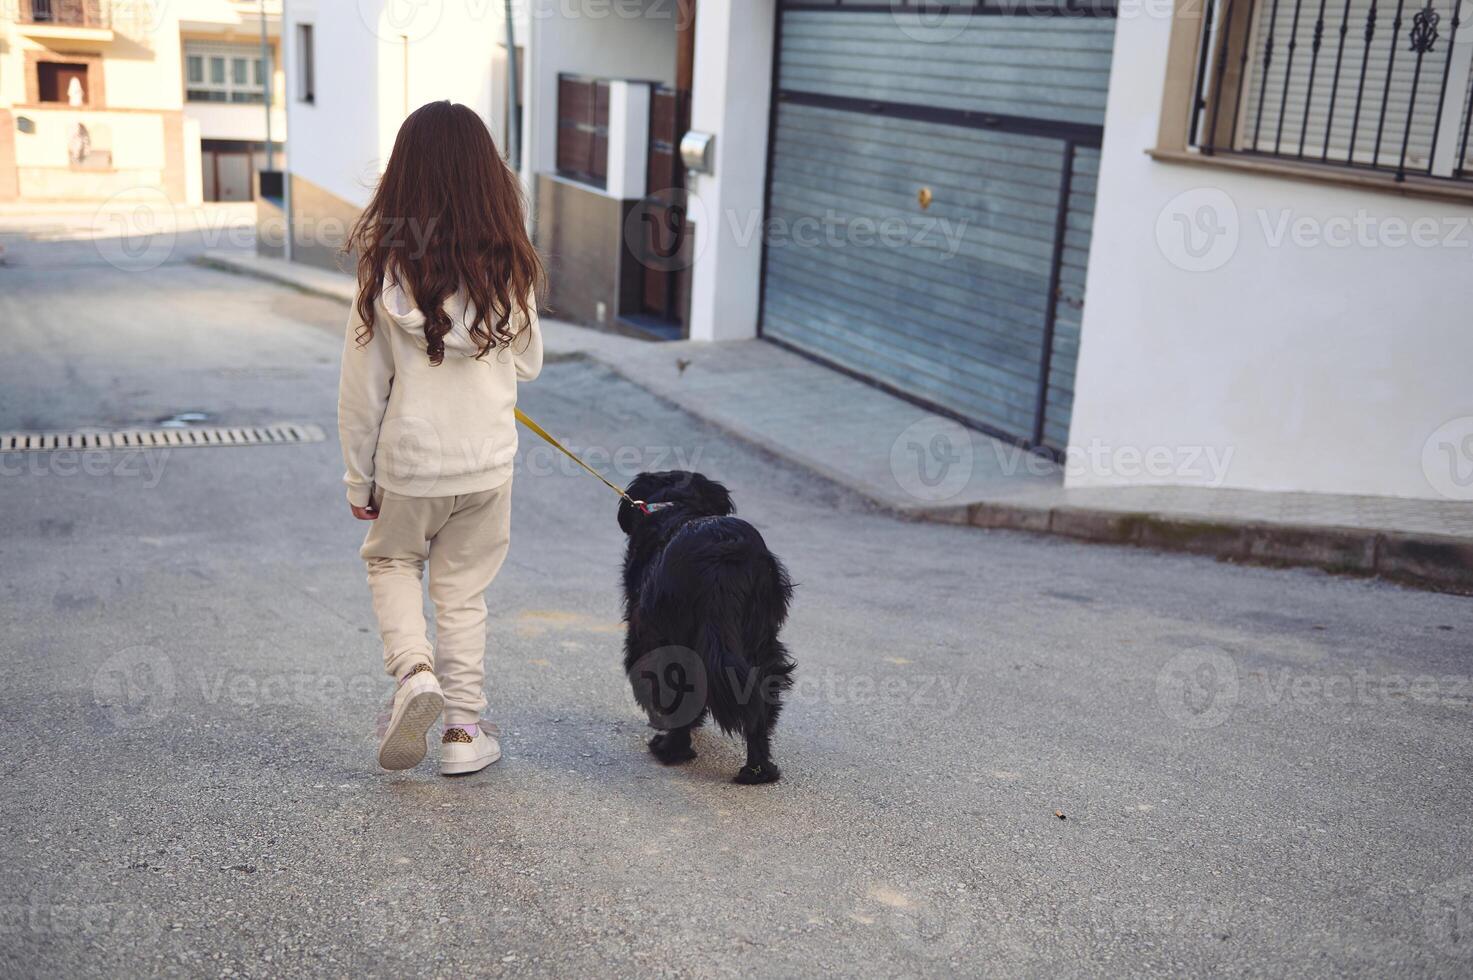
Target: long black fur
x,y
704,601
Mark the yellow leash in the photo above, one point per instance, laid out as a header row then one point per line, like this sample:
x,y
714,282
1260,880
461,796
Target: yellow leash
x,y
547,437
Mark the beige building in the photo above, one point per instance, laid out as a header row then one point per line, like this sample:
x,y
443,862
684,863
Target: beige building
x,y
98,97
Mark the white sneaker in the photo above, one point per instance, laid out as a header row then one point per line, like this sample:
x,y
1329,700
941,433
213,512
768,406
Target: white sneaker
x,y
416,705
462,753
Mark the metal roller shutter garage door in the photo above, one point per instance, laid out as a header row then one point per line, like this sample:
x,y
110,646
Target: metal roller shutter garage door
x,y
967,303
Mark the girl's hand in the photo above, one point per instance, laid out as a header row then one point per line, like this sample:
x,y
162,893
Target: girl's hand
x,y
364,513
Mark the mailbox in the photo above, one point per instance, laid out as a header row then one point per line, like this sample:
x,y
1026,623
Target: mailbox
x,y
698,152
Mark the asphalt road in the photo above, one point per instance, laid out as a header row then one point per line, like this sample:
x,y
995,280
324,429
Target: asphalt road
x,y
1259,772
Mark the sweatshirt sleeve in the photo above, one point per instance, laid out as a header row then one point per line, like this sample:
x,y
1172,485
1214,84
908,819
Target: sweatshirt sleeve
x,y
363,397
527,348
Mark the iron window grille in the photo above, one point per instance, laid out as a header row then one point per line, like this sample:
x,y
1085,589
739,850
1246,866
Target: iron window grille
x,y
1375,85
72,13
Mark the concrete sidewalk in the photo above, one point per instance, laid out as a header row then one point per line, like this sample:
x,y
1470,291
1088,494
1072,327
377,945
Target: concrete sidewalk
x,y
908,461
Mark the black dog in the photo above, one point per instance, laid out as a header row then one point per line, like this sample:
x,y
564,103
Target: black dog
x,y
704,600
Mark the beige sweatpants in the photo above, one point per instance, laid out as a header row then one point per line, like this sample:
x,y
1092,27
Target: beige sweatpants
x,y
464,539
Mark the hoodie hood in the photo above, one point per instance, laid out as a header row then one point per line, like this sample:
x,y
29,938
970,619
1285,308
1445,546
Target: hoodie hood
x,y
399,305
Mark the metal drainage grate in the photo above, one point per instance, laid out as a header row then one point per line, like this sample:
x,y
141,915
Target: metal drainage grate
x,y
251,435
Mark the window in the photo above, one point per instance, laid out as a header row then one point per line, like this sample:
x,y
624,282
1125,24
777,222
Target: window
x,y
306,65
512,139
224,73
1352,83
64,83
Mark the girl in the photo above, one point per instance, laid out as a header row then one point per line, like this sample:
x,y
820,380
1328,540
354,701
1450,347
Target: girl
x,y
444,327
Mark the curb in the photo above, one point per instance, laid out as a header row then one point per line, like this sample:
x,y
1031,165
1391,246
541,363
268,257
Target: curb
x,y
222,264
1426,561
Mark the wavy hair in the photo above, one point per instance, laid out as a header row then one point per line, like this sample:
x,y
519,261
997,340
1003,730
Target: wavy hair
x,y
448,215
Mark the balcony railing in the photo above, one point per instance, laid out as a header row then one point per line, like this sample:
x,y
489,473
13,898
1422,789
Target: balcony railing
x,y
65,13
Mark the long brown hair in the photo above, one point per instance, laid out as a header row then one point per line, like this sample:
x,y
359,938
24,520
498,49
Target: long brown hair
x,y
448,215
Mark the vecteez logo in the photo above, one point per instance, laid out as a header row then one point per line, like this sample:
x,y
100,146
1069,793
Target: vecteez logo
x,y
668,230
931,23
1447,459
135,687
136,229
1198,689
1198,230
1201,230
932,459
401,20
671,684
411,451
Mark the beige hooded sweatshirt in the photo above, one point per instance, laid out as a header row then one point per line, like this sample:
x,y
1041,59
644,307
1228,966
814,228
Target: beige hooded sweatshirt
x,y
424,431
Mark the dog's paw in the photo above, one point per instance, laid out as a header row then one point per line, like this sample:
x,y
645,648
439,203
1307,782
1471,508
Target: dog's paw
x,y
671,751
756,775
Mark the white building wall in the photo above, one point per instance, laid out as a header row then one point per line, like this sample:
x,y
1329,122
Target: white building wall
x,y
375,63
335,139
224,121
629,40
452,59
194,176
731,98
152,71
1313,339
629,140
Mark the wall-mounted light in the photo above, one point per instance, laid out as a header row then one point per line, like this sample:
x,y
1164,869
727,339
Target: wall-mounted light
x,y
698,152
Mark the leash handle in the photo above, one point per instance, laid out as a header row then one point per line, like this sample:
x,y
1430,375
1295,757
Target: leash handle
x,y
547,437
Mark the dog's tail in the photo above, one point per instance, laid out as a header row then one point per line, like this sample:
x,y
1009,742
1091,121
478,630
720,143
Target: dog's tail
x,y
742,696
733,685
